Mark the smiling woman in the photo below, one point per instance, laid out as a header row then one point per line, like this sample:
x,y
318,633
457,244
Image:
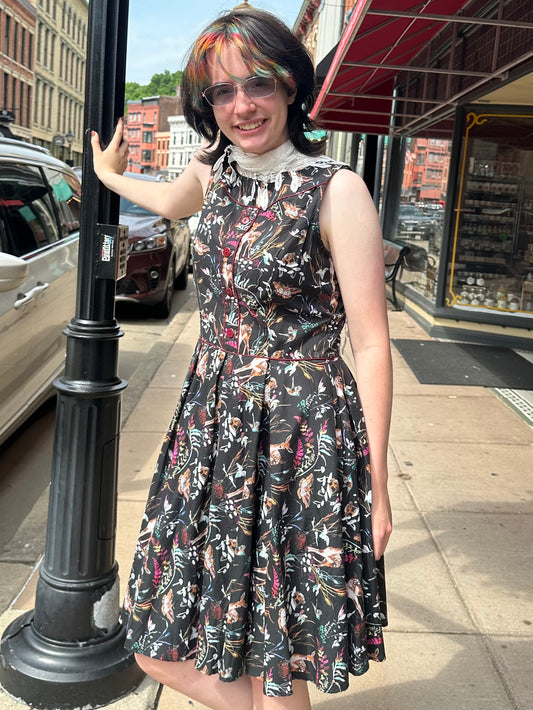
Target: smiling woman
x,y
278,107
258,566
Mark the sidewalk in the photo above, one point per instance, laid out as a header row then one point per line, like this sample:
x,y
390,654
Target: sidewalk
x,y
459,564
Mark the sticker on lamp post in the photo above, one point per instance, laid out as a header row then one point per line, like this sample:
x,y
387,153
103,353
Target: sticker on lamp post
x,y
112,251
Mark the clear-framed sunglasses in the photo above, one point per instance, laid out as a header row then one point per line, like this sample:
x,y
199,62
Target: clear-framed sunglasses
x,y
256,87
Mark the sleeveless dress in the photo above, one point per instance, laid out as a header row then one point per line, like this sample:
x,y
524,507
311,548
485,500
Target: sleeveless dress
x,y
255,554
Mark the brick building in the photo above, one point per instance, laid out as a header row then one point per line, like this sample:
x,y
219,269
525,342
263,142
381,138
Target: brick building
x,y
42,63
17,30
146,119
162,141
425,176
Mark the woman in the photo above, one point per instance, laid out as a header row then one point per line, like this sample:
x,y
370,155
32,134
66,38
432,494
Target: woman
x,y
259,557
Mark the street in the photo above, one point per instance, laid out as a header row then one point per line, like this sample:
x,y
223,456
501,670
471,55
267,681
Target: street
x,y
25,459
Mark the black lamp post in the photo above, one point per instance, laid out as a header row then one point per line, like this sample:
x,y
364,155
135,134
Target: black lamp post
x,y
68,652
69,137
58,140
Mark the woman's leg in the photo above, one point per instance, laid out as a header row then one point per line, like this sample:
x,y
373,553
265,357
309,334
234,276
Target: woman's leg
x,y
299,700
206,689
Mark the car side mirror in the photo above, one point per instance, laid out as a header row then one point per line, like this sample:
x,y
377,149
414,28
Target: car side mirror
x,y
13,271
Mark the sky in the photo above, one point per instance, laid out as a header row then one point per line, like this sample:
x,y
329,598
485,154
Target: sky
x,y
160,32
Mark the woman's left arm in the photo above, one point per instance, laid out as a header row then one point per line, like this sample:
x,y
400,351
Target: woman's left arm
x,y
351,231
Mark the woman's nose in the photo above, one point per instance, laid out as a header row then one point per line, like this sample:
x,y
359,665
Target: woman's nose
x,y
242,100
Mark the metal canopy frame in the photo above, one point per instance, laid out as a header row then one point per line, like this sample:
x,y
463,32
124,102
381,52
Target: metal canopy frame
x,y
401,66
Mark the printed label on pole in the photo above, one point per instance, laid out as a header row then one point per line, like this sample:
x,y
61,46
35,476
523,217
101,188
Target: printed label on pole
x,y
112,251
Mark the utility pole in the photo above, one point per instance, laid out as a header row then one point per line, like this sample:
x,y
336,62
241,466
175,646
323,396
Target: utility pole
x,y
68,652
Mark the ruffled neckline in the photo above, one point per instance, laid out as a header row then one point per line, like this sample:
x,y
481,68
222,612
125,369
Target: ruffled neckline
x,y
267,165
268,168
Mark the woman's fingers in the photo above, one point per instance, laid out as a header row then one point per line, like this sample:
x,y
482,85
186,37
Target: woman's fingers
x,y
118,134
117,142
114,158
95,143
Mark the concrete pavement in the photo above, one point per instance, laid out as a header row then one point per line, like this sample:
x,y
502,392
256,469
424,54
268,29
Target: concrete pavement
x,y
459,564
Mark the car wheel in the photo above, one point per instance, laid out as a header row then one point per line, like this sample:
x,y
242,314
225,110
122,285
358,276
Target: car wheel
x,y
181,279
163,308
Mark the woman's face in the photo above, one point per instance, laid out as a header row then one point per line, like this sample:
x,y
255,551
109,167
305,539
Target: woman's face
x,y
254,125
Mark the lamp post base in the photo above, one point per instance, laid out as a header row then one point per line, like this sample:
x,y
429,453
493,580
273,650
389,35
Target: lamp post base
x,y
65,676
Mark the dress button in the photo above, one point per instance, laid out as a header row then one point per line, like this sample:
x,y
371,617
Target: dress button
x,y
229,292
226,251
230,332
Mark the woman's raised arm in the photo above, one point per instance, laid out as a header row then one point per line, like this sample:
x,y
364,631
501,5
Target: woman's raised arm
x,y
172,200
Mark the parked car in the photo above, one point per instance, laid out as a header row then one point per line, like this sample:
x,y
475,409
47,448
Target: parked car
x,y
414,223
158,258
39,230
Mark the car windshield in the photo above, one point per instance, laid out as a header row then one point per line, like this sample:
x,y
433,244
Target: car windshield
x,y
132,208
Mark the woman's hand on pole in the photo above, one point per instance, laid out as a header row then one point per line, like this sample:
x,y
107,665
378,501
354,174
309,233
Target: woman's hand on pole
x,y
114,158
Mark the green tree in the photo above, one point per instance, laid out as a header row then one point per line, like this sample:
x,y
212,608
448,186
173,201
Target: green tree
x,y
134,91
163,84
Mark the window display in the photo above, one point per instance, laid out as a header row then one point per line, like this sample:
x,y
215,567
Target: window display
x,y
490,265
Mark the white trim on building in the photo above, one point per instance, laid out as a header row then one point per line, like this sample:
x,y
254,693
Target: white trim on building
x,y
183,144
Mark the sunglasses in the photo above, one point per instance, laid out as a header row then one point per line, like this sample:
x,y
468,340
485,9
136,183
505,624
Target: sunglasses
x,y
256,87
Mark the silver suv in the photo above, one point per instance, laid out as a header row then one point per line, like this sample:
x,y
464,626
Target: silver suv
x,y
39,230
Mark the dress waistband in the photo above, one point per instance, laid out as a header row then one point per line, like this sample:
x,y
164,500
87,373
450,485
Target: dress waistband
x,y
266,357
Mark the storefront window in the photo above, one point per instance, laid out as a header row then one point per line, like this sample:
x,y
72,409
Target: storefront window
x,y
491,254
421,214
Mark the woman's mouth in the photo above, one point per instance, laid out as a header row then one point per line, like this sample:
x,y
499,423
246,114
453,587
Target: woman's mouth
x,y
251,126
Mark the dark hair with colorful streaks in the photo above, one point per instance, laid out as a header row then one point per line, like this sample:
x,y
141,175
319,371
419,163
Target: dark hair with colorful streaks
x,y
268,47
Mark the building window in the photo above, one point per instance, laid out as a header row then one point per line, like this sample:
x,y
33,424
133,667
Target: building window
x,y
28,107
491,256
36,101
45,49
51,92
21,103
6,34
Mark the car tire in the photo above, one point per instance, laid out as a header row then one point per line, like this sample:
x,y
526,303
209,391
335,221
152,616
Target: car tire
x,y
163,308
180,282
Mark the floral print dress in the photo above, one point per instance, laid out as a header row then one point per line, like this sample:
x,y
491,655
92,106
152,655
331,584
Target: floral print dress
x,y
255,554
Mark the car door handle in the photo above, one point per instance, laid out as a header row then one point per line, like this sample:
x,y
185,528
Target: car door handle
x,y
31,295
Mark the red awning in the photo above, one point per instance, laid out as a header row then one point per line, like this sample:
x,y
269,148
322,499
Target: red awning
x,y
411,46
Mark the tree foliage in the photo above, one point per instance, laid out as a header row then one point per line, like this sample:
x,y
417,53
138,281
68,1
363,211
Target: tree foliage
x,y
163,84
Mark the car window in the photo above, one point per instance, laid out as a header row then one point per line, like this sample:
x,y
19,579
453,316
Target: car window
x,y
66,189
27,211
408,210
132,208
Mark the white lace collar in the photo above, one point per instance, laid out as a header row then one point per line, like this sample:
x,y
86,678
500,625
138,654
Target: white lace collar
x,y
269,168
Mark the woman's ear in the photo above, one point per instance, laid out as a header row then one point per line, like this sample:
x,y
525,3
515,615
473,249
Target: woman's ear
x,y
290,87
